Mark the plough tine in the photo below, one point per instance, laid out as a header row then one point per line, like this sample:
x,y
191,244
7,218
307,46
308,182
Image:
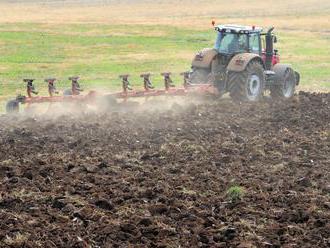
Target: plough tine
x,y
147,84
125,83
51,86
167,80
76,89
30,89
186,82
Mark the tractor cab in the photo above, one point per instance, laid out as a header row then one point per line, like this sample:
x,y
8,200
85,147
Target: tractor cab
x,y
234,39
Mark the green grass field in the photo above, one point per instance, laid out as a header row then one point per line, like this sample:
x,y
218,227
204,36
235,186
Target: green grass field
x,y
99,52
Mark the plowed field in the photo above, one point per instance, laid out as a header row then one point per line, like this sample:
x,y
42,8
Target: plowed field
x,y
212,174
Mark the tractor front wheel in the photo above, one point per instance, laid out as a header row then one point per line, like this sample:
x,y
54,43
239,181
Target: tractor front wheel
x,y
12,107
247,85
286,87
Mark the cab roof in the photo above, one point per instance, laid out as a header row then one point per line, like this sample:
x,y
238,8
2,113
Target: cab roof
x,y
232,28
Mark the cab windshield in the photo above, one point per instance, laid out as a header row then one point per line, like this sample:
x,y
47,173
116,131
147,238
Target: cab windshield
x,y
230,43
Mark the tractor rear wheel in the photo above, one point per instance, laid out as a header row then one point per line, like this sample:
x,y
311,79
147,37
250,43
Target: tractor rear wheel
x,y
247,85
284,89
12,107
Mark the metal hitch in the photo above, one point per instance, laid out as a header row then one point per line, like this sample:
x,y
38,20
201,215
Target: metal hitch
x,y
147,84
125,83
167,80
76,89
51,86
30,89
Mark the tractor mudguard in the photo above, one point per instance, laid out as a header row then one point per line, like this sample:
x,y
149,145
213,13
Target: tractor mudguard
x,y
280,70
203,59
239,62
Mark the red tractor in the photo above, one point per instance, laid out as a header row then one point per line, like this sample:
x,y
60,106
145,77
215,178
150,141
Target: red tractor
x,y
244,63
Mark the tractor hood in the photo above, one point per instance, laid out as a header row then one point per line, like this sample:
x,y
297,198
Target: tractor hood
x,y
204,58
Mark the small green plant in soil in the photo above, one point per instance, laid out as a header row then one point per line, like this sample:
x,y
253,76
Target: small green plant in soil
x,y
235,193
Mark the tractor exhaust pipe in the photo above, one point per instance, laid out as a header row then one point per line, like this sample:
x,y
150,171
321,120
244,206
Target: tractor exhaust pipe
x,y
269,48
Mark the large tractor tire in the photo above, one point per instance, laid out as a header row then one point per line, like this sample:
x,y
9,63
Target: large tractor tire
x,y
247,85
285,86
199,76
12,107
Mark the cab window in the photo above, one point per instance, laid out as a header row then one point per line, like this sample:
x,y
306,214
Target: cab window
x,y
231,43
254,45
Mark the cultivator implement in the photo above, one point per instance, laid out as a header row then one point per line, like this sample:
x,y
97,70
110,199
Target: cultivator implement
x,y
74,95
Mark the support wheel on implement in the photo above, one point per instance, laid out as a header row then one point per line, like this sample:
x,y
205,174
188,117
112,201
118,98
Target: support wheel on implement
x,y
286,87
247,85
12,107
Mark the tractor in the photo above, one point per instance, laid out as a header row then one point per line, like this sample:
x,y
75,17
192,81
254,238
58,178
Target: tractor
x,y
244,63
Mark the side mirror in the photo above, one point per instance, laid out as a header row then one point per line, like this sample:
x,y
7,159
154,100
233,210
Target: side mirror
x,y
275,39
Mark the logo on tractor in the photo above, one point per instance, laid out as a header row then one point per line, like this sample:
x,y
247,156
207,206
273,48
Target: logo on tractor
x,y
239,62
199,56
